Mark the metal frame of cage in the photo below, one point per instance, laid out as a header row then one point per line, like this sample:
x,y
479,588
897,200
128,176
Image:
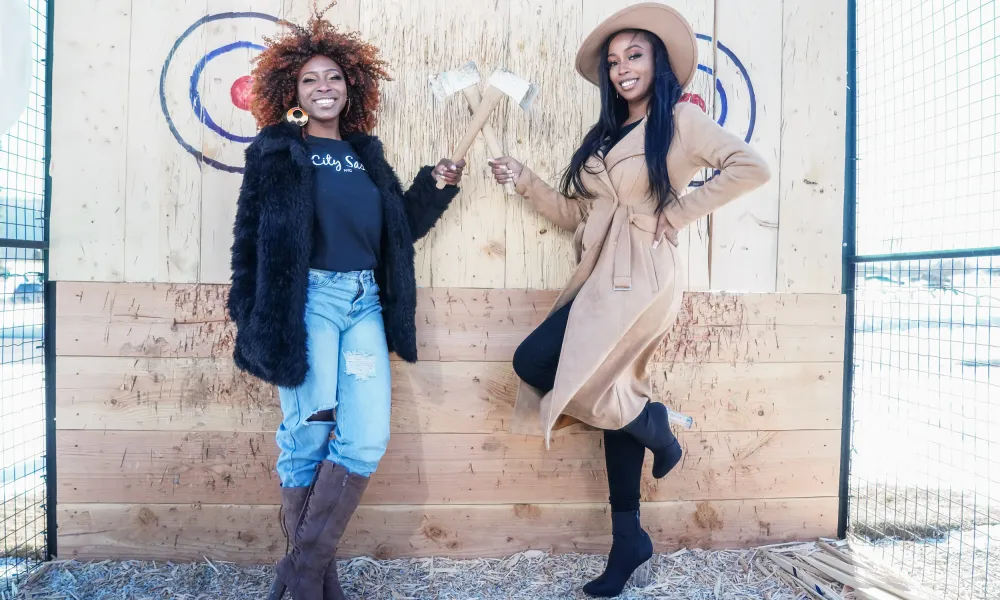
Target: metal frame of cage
x,y
16,244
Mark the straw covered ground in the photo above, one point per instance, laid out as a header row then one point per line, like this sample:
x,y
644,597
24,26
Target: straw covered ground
x,y
691,575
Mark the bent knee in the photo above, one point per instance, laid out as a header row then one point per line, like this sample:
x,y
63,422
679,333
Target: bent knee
x,y
362,459
367,448
525,363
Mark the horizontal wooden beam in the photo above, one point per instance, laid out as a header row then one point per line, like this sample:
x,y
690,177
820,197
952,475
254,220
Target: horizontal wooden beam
x,y
228,468
252,534
189,321
205,394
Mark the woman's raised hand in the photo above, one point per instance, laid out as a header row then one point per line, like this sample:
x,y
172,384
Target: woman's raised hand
x,y
449,172
506,169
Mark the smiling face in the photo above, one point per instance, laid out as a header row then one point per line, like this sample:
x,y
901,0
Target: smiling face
x,y
631,67
322,89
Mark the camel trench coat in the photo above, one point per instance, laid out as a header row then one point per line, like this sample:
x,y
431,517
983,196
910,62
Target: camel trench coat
x,y
627,293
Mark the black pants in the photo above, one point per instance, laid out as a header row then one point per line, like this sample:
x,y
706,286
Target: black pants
x,y
535,362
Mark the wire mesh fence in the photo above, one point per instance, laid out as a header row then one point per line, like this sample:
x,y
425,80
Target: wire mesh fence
x,y
926,452
927,125
23,416
924,275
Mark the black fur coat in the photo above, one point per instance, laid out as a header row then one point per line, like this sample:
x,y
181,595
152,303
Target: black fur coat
x,y
273,241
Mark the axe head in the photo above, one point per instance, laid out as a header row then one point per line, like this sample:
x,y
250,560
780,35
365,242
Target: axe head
x,y
449,82
522,91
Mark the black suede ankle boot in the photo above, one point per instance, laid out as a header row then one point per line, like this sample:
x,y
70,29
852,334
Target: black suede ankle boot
x,y
652,429
630,549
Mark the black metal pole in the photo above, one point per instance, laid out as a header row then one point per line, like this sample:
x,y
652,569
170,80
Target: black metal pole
x,y
849,268
51,547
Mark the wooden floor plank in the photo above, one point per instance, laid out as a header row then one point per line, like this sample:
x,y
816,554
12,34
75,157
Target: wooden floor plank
x,y
251,534
229,468
204,394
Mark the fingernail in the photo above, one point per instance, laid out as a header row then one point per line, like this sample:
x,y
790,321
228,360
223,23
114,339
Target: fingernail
x,y
656,243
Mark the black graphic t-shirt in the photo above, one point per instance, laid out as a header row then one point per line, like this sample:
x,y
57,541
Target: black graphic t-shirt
x,y
348,227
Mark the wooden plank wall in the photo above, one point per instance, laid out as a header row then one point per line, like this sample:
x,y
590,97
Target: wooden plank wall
x,y
166,451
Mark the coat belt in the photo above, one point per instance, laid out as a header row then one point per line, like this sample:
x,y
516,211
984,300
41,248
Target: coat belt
x,y
622,276
622,280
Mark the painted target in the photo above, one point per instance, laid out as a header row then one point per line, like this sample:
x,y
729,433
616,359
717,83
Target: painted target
x,y
205,96
735,95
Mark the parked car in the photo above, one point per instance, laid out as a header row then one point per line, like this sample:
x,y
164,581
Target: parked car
x,y
28,293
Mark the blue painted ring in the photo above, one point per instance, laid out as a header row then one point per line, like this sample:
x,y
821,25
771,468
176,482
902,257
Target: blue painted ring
x,y
195,95
163,84
722,96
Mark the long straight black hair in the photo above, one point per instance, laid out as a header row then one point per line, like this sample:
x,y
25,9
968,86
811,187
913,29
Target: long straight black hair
x,y
614,111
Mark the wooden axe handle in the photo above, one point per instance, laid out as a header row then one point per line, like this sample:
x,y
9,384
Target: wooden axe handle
x,y
490,101
474,98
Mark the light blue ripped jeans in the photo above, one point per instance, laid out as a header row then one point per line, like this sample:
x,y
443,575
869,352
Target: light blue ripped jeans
x,y
348,374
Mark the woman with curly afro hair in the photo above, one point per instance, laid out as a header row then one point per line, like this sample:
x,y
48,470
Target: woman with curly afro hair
x,y
323,286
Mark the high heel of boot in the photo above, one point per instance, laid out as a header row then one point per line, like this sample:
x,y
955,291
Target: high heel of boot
x,y
629,560
278,588
643,575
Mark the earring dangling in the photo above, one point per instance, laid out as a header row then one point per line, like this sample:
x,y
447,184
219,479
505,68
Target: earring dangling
x,y
297,116
347,108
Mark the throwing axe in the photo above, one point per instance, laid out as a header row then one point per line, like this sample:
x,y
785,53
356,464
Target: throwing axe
x,y
501,82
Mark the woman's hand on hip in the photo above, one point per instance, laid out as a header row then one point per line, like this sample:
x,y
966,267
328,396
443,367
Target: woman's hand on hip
x,y
506,169
662,227
449,172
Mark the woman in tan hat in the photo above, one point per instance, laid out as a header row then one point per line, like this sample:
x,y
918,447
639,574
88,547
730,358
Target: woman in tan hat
x,y
622,196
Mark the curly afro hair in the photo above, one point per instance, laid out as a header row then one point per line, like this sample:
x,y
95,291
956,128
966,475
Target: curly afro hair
x,y
275,75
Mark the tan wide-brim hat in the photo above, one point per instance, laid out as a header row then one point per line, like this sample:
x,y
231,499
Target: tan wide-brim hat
x,y
659,19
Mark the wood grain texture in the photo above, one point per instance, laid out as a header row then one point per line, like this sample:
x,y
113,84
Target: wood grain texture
x,y
203,394
220,189
452,324
226,468
814,63
252,534
89,133
163,195
467,247
753,396
539,254
446,307
346,14
752,343
745,231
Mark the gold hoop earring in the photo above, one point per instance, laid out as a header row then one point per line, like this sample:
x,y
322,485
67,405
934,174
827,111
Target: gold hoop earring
x,y
347,108
297,116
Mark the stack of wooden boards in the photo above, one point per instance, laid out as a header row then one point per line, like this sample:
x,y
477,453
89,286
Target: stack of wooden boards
x,y
167,452
830,570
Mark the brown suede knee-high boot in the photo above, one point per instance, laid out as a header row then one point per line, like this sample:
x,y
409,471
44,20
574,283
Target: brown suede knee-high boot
x,y
292,501
332,499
